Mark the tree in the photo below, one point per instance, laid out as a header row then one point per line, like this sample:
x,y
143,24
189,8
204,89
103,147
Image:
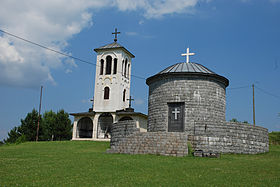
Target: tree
x,y
63,127
53,126
234,120
29,125
13,135
49,120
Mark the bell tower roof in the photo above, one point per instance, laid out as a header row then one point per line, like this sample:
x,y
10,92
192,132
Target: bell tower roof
x,y
113,46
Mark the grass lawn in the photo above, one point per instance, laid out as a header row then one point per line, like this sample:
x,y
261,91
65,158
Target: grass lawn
x,y
84,163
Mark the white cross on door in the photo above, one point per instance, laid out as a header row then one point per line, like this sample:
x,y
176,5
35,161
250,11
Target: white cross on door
x,y
176,112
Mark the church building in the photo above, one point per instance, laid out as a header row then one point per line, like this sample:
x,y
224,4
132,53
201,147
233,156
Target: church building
x,y
187,105
112,100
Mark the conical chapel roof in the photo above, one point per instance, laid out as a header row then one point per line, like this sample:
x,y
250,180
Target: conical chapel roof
x,y
113,45
186,68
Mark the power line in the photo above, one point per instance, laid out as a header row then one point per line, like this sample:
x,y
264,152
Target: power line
x,y
237,88
47,48
61,53
268,93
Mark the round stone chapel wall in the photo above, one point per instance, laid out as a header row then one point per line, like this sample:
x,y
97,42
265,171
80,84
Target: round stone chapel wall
x,y
204,99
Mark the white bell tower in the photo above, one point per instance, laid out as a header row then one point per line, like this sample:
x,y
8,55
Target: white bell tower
x,y
112,77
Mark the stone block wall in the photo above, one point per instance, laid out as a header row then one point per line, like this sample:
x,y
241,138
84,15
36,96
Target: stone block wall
x,y
204,99
122,129
216,138
158,143
230,138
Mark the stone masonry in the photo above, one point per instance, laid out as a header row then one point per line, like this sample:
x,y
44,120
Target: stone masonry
x,y
187,103
127,139
230,138
204,99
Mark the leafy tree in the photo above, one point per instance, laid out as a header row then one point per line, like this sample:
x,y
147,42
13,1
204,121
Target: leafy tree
x,y
53,126
234,120
274,138
29,125
63,127
49,120
58,125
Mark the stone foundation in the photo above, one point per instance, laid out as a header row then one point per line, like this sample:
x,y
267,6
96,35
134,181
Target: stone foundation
x,y
126,138
209,138
230,138
158,143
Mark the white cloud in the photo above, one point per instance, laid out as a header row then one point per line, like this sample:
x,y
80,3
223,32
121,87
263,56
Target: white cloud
x,y
158,8
52,23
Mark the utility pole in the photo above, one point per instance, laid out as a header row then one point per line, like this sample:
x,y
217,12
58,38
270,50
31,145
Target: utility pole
x,y
254,119
37,135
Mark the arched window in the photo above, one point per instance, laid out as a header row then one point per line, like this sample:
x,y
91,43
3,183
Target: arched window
x,y
122,66
106,92
125,67
124,95
128,70
101,67
115,66
108,65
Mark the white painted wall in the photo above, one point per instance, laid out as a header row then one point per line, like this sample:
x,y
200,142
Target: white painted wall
x,y
116,82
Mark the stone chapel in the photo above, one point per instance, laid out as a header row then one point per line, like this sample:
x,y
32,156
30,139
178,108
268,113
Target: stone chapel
x,y
186,108
112,101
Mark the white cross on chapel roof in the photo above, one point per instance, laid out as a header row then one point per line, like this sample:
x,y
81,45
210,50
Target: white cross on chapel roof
x,y
188,54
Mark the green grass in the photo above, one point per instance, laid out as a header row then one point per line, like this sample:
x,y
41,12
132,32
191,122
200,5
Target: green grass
x,y
81,163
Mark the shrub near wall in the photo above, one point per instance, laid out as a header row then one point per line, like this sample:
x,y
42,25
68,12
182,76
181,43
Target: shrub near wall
x,y
274,138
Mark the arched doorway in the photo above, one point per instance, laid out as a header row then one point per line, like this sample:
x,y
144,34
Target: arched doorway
x,y
125,118
105,122
84,128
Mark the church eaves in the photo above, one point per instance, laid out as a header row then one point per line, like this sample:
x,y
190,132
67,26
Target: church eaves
x,y
113,45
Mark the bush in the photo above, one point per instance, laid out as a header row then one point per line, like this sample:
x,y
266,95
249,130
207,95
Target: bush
x,y
190,149
274,138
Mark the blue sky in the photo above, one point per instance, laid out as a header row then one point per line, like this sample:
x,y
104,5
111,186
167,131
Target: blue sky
x,y
238,39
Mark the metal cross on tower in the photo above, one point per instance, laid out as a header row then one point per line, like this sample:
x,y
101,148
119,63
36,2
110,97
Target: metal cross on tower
x,y
116,34
188,54
130,99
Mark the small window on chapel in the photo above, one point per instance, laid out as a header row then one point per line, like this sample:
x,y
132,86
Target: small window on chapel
x,y
106,92
124,95
108,65
115,66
